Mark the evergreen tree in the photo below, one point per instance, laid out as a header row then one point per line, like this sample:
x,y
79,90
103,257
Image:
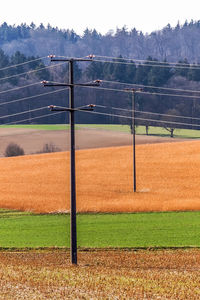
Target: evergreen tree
x,y
4,62
131,70
194,73
160,74
95,70
119,70
179,68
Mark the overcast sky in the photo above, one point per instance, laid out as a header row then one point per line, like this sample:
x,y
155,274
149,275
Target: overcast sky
x,y
145,15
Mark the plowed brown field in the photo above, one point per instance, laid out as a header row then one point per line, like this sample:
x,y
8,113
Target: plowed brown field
x,y
101,275
168,177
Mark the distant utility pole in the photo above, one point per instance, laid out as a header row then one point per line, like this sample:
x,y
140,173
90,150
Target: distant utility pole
x,y
133,91
71,109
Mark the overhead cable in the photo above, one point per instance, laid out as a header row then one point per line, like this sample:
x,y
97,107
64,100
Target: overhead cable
x,y
23,112
147,112
32,71
132,60
141,92
147,64
33,118
31,97
150,86
144,119
20,87
24,63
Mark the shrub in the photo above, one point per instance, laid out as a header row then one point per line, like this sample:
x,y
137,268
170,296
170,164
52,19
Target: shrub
x,y
47,148
13,150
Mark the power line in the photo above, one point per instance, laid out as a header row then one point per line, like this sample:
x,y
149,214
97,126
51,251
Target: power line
x,y
32,118
146,112
150,86
106,114
23,112
24,63
173,64
102,106
20,87
32,71
142,92
143,119
106,89
170,95
146,65
139,60
31,97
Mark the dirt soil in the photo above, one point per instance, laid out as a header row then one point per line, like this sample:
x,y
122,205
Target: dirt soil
x,y
101,275
33,140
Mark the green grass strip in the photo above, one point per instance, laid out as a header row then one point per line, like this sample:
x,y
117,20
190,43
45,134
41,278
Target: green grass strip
x,y
39,126
170,229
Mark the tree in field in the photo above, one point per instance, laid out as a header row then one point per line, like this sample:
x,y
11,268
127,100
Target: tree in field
x,y
169,122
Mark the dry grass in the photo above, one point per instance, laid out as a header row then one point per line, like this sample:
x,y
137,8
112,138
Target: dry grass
x,y
168,179
101,275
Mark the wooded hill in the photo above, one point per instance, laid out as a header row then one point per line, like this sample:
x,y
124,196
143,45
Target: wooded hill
x,y
20,44
169,43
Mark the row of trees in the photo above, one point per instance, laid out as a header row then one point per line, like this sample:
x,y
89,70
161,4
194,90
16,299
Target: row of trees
x,y
149,73
6,63
170,43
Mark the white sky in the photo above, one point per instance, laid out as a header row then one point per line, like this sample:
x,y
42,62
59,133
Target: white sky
x,y
145,15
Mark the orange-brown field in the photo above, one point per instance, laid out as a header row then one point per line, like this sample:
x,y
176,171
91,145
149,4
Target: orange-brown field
x,y
168,177
101,275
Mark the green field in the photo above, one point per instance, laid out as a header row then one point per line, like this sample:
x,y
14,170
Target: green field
x,y
39,126
170,229
155,131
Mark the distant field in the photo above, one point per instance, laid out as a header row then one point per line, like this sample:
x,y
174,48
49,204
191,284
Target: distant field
x,y
167,179
158,131
140,230
38,127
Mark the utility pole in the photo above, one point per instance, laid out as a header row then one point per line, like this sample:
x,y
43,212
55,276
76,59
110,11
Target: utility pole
x,y
133,92
133,133
72,109
72,166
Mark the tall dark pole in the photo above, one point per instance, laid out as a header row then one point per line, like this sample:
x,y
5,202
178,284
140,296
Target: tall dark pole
x,y
73,176
71,109
133,132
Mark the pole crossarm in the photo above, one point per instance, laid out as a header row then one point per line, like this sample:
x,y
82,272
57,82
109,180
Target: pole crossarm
x,y
89,107
70,59
134,90
53,58
94,83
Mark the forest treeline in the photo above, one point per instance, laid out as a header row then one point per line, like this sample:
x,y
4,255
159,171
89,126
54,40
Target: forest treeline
x,y
117,75
181,45
170,43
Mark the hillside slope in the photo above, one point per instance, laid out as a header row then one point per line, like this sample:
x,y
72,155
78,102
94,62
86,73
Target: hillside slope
x,y
167,179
